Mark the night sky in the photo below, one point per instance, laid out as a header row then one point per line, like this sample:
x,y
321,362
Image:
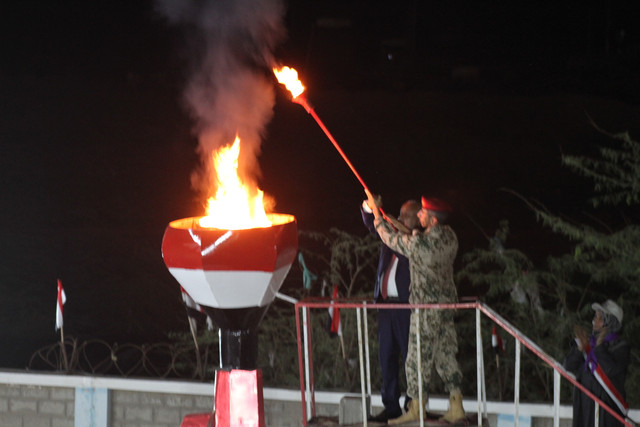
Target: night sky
x,y
455,99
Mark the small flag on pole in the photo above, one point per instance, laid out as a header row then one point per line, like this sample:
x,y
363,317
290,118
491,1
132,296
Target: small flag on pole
x,y
335,327
307,275
496,341
62,298
498,347
194,310
189,302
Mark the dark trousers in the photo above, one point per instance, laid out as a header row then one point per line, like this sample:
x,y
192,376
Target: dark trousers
x,y
393,341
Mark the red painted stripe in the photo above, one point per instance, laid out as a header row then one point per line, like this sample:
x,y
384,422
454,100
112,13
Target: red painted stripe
x,y
186,245
611,390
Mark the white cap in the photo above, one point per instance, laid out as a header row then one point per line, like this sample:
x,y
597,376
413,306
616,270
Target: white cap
x,y
609,307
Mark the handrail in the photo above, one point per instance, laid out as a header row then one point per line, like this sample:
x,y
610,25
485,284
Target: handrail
x,y
547,359
478,305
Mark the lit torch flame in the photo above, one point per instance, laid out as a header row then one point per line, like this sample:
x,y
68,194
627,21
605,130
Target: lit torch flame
x,y
289,77
233,208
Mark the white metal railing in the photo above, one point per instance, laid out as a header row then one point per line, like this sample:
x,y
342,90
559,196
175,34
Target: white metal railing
x,y
307,388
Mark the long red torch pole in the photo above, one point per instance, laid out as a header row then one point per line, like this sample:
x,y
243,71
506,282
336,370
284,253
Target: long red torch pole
x,y
289,77
302,101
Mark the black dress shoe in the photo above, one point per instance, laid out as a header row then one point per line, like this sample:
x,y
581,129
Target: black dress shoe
x,y
385,416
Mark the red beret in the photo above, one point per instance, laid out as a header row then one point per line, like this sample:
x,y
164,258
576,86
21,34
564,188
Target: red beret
x,y
437,205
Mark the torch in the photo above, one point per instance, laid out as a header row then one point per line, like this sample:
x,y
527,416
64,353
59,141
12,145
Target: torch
x,y
289,78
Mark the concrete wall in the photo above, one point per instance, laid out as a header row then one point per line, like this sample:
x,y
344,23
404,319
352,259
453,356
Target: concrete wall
x,y
138,409
36,406
52,400
49,406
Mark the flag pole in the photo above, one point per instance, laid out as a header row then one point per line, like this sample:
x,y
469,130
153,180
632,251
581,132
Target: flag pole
x,y
345,362
60,300
344,354
496,345
499,379
195,341
65,362
190,304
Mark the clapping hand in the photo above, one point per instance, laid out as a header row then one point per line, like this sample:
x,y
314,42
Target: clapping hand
x,y
582,338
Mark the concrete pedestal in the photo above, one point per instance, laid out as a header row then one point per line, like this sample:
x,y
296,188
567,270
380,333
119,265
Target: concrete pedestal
x,y
239,401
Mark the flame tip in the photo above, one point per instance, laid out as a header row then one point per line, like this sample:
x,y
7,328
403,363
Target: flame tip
x,y
289,77
233,206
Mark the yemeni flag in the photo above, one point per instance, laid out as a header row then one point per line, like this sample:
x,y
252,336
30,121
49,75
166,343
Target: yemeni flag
x,y
496,342
193,308
335,327
62,298
194,311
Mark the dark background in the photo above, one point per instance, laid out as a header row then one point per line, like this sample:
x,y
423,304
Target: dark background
x,y
455,99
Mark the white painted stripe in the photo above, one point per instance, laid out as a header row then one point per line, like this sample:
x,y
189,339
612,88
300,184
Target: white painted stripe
x,y
606,384
195,283
230,289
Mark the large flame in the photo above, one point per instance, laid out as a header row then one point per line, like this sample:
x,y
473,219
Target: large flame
x,y
233,207
289,77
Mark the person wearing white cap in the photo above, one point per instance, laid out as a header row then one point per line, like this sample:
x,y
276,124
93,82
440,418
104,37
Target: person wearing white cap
x,y
600,364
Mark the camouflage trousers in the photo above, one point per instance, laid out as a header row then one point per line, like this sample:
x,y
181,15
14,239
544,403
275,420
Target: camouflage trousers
x,y
439,347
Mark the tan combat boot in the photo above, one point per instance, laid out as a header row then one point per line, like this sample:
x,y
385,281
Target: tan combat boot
x,y
412,414
455,412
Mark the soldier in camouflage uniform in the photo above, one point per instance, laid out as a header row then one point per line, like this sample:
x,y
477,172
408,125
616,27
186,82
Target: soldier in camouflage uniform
x,y
431,254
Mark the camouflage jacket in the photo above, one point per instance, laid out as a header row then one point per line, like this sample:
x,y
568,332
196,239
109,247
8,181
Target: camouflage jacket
x,y
431,257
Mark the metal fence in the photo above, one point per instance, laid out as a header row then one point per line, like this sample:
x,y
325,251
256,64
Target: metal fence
x,y
305,358
97,357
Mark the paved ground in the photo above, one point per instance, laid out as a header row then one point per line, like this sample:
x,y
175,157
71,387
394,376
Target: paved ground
x,y
431,421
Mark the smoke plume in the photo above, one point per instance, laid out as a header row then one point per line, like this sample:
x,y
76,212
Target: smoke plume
x,y
230,88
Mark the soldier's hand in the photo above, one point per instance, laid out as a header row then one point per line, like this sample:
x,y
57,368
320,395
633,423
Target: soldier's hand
x,y
374,202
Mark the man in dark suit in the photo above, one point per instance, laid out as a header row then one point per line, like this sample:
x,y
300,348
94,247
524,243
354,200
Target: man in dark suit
x,y
392,286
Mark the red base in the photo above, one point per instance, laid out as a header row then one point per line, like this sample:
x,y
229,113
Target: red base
x,y
239,401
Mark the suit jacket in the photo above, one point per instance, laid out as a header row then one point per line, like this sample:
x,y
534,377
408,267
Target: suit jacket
x,y
403,276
